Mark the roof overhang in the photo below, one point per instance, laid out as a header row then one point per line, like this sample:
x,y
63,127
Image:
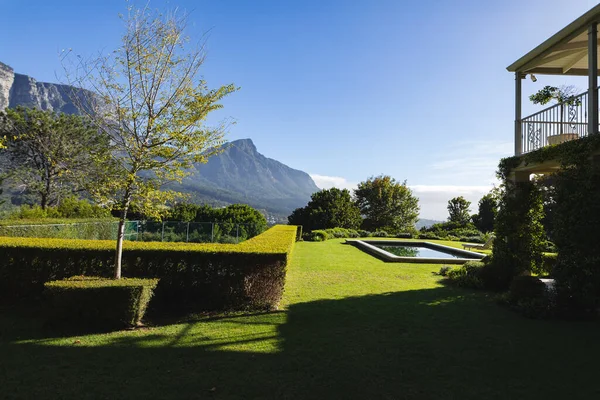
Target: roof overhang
x,y
565,53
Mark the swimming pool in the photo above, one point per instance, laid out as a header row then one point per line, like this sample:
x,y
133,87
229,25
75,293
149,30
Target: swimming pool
x,y
415,252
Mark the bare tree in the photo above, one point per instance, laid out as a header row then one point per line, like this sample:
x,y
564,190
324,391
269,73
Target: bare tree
x,y
148,97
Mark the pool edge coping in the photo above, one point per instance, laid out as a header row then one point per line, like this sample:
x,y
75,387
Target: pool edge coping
x,y
389,257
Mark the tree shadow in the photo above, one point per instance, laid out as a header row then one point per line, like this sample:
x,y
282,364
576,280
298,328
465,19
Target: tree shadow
x,y
439,343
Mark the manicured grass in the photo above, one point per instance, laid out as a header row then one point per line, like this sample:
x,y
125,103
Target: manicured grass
x,y
350,327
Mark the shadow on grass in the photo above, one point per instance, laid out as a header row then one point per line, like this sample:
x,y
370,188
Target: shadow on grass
x,y
440,343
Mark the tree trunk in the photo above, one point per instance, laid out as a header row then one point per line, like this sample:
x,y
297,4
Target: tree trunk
x,y
120,237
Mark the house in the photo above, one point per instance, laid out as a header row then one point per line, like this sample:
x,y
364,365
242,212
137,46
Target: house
x,y
571,51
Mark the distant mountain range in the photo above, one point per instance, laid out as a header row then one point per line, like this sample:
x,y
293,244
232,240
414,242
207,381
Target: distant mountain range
x,y
240,174
22,90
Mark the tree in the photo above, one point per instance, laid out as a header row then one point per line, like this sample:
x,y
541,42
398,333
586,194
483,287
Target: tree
x,y
147,96
488,209
50,156
458,208
329,208
387,205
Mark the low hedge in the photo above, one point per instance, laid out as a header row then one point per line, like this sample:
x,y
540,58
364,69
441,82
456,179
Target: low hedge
x,y
321,235
249,275
98,302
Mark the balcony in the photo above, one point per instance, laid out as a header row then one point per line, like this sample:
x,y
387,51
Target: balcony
x,y
554,125
571,51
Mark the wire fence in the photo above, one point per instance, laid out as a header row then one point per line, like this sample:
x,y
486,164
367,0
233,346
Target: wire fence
x,y
145,231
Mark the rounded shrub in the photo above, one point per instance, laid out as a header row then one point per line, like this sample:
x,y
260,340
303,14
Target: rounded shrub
x,y
468,275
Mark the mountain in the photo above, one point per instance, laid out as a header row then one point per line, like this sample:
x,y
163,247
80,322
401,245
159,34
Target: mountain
x,y
240,174
22,90
426,223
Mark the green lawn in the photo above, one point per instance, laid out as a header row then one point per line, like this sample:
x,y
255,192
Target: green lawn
x,y
350,327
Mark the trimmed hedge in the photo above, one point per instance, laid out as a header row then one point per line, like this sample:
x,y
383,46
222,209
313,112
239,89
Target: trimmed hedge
x,y
98,302
192,276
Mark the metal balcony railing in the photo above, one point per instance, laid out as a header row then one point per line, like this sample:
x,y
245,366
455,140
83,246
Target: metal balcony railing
x,y
557,124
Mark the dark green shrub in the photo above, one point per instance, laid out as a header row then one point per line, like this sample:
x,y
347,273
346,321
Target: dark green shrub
x,y
526,288
444,270
380,234
528,296
404,235
548,264
428,235
362,233
98,302
468,275
473,239
318,235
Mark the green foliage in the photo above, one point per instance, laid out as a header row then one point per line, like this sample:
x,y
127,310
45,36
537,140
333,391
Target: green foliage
x,y
197,277
458,210
321,235
488,209
329,208
444,270
91,302
576,231
387,205
49,156
576,220
520,236
562,94
236,220
154,105
467,276
528,296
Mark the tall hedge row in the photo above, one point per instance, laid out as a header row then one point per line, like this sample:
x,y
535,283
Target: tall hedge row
x,y
249,275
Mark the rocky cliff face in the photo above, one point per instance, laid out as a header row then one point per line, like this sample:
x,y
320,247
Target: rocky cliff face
x,y
240,174
22,90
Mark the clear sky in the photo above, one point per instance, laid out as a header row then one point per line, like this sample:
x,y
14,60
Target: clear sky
x,y
341,89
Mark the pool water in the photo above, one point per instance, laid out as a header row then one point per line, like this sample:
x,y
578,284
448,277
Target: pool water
x,y
416,251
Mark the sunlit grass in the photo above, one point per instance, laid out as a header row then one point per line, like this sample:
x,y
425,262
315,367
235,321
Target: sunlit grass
x,y
350,326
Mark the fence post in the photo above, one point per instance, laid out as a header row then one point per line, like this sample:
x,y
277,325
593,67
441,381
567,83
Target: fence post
x,y
162,233
137,231
187,233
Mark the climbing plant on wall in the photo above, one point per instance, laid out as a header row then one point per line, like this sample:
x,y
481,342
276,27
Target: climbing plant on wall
x,y
576,222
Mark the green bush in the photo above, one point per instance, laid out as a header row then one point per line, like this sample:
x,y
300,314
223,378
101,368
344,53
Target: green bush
x,y
404,235
528,296
318,235
428,235
249,275
468,275
548,264
98,302
444,270
380,234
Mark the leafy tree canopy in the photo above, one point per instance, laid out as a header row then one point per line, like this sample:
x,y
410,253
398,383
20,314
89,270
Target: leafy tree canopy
x,y
458,210
329,208
387,205
50,156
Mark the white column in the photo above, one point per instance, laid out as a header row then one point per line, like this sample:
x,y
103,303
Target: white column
x,y
518,124
593,79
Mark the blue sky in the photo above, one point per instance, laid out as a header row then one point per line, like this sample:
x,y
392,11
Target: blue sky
x,y
342,89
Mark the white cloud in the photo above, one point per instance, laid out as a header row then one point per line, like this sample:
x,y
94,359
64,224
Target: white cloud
x,y
328,182
475,161
433,199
